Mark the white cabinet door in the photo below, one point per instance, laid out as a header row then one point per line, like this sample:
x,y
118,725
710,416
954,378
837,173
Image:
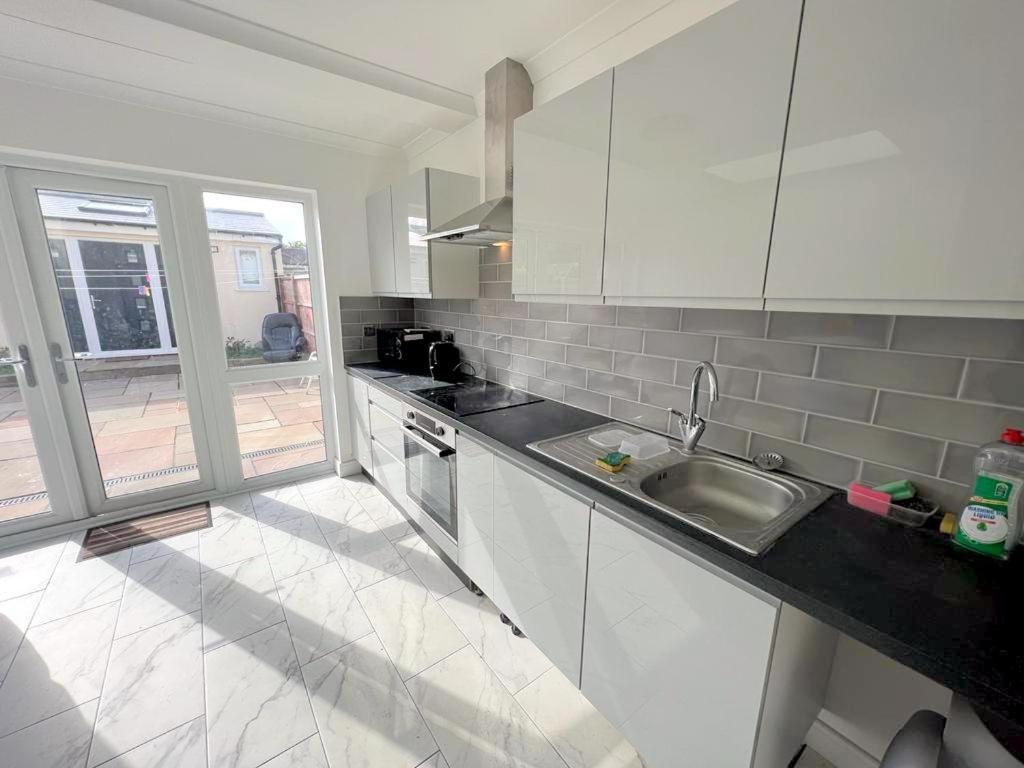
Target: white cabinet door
x,y
903,176
474,468
561,177
389,471
387,430
674,656
381,241
412,255
359,408
697,130
540,563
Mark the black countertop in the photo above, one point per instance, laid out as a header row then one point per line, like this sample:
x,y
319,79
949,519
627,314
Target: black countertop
x,y
908,593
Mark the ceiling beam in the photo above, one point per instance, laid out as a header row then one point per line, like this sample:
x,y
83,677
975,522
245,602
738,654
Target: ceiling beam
x,y
233,29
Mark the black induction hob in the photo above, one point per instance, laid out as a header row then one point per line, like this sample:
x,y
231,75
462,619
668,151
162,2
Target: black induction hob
x,y
471,397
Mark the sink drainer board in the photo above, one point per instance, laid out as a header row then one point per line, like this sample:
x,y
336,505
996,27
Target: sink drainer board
x,y
726,498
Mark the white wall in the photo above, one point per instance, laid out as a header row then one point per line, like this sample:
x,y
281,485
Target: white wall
x,y
50,120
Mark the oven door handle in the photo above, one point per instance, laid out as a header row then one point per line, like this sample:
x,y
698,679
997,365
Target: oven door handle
x,y
414,434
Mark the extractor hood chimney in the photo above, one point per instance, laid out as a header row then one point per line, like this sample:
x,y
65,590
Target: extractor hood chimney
x,y
508,93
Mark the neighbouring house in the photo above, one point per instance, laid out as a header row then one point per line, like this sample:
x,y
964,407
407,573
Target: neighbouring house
x,y
107,261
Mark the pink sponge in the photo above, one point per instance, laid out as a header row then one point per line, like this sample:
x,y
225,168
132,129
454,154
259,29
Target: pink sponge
x,y
868,499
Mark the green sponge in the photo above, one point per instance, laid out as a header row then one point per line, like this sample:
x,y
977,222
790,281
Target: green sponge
x,y
613,462
900,490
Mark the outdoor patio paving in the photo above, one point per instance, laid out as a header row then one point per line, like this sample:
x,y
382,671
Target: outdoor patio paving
x,y
144,440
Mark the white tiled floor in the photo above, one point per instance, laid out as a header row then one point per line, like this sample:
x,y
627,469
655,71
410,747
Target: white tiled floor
x,y
307,628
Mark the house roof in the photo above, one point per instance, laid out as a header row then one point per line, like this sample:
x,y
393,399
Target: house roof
x,y
105,209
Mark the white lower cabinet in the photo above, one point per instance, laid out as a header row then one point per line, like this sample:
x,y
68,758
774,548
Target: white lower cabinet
x,y
524,543
389,471
387,430
359,407
676,657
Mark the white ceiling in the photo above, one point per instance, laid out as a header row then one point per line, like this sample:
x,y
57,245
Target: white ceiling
x,y
368,75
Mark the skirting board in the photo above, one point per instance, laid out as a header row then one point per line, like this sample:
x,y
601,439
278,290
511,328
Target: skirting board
x,y
836,748
346,468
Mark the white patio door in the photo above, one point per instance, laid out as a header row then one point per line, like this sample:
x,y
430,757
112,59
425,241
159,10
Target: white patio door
x,y
104,263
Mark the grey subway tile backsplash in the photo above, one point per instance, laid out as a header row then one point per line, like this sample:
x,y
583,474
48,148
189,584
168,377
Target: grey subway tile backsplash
x,y
681,346
546,350
994,382
777,356
621,339
950,419
826,391
357,312
589,357
725,322
807,461
566,374
587,400
662,318
554,312
568,333
887,446
927,374
592,314
822,328
967,337
644,367
817,396
616,386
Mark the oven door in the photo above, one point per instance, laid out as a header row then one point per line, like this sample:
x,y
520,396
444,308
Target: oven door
x,y
430,478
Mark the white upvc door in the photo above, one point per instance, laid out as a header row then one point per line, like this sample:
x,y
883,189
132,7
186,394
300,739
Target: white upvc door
x,y
137,429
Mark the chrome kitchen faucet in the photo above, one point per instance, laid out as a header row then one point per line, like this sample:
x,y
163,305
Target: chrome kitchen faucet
x,y
691,426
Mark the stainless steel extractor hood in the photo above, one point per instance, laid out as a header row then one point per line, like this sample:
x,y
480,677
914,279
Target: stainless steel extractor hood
x,y
508,93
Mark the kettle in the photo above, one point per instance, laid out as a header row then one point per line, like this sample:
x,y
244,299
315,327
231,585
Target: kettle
x,y
443,358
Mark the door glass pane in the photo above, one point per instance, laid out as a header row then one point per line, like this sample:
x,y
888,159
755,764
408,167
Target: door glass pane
x,y
258,249
110,275
280,424
22,490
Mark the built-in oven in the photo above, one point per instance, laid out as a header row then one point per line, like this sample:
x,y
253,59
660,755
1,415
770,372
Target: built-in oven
x,y
430,469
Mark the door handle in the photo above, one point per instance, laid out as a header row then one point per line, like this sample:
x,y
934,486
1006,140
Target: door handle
x,y
57,359
25,362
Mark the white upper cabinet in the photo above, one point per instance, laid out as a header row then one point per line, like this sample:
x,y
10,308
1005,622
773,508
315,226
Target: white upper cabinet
x,y
903,177
674,656
561,174
697,130
398,216
433,270
381,242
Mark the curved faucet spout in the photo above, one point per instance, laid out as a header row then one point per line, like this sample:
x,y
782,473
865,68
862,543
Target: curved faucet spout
x,y
691,426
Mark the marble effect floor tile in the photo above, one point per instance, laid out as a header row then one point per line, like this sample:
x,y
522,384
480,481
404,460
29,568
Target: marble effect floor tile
x,y
305,754
15,615
278,504
294,546
181,747
437,577
234,536
391,522
434,761
581,734
154,683
28,569
256,706
238,600
475,720
61,741
159,589
333,507
322,484
184,542
364,712
58,666
78,586
232,506
410,623
360,487
322,611
515,660
363,552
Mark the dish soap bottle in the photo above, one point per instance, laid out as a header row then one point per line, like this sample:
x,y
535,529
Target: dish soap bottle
x,y
991,521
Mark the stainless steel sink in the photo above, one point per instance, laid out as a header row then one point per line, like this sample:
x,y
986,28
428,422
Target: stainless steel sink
x,y
729,499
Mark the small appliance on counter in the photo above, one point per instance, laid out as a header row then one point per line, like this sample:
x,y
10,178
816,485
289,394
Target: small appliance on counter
x,y
406,348
443,359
